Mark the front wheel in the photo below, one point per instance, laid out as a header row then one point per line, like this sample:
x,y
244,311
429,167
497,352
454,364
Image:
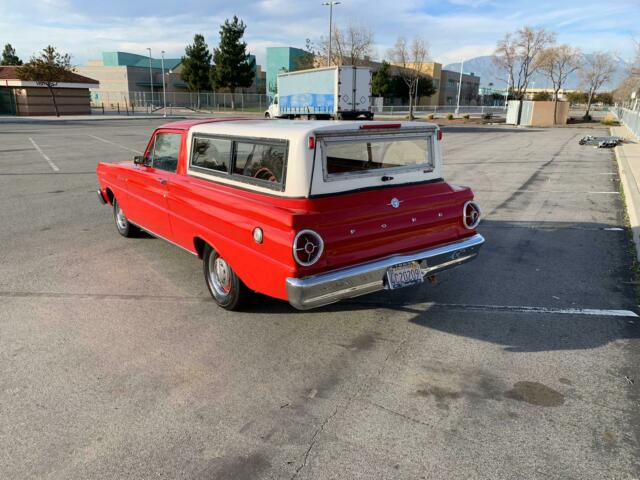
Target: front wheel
x,y
125,228
225,286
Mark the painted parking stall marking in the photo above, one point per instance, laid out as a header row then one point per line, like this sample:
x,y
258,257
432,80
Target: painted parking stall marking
x,y
104,140
53,166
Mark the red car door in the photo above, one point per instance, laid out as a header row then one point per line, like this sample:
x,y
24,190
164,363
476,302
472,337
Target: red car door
x,y
147,184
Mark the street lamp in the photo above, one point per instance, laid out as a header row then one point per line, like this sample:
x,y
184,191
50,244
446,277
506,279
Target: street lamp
x,y
150,78
330,5
459,87
164,92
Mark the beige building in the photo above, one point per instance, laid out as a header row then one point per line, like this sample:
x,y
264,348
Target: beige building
x,y
446,85
127,78
27,98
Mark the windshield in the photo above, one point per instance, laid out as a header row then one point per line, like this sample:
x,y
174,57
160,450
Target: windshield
x,y
348,157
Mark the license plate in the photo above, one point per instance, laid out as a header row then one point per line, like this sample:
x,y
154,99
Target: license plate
x,y
404,275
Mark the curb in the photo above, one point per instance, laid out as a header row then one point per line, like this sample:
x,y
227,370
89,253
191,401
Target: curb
x,y
631,194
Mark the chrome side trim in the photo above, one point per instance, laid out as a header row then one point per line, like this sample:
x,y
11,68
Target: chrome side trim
x,y
325,288
101,197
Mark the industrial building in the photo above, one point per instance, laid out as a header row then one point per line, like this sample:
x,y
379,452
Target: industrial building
x,y
128,78
282,59
448,89
285,59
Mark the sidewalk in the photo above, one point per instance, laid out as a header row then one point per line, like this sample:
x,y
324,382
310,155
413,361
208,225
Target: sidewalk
x,y
628,156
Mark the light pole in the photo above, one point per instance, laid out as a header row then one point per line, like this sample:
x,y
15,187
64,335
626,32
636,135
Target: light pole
x,y
459,87
330,5
506,92
164,92
150,78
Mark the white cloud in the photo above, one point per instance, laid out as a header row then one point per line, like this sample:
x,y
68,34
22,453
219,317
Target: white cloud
x,y
454,29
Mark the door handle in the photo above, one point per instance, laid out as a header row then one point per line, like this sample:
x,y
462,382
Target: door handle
x,y
162,181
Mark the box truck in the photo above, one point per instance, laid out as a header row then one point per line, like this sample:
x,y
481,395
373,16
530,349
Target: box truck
x,y
342,92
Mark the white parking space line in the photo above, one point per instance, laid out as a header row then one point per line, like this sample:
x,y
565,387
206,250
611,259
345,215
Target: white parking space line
x,y
545,191
114,143
53,166
545,310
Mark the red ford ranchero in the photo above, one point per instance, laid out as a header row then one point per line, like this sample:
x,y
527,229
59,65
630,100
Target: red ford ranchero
x,y
306,211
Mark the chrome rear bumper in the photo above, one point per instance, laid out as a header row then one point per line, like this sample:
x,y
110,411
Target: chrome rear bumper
x,y
325,288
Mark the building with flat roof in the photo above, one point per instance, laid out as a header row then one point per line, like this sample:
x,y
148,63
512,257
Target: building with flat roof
x,y
282,59
127,78
448,92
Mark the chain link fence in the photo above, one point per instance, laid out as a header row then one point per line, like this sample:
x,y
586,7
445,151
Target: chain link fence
x,y
424,110
144,102
125,102
630,118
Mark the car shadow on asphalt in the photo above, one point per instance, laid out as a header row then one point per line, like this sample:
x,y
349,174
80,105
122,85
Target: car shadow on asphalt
x,y
521,290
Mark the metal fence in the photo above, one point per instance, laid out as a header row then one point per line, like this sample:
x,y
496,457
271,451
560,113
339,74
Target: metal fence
x,y
423,110
145,101
630,118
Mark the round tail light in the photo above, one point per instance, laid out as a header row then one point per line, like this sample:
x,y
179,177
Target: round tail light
x,y
307,247
471,214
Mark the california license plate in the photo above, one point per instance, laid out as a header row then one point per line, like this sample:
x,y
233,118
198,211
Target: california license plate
x,y
404,275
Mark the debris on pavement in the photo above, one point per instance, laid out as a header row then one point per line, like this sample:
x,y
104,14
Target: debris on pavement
x,y
600,142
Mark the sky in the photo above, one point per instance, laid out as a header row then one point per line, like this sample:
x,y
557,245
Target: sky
x,y
454,29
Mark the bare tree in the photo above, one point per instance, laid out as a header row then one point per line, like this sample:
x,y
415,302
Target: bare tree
x,y
411,60
518,53
557,63
598,69
351,46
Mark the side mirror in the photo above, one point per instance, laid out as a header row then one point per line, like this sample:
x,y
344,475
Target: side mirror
x,y
139,160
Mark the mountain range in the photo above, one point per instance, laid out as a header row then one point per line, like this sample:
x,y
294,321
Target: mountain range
x,y
488,72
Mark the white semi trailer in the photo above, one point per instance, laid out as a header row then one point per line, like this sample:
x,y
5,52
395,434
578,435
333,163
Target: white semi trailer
x,y
342,92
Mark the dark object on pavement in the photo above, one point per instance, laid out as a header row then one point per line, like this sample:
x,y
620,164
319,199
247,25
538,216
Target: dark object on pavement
x,y
600,142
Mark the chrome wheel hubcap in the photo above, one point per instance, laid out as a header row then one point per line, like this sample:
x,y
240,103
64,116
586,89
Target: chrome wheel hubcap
x,y
121,219
219,275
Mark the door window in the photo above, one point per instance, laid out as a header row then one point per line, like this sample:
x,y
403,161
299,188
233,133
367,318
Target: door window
x,y
166,148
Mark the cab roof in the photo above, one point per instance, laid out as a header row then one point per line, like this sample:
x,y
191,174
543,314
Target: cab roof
x,y
269,128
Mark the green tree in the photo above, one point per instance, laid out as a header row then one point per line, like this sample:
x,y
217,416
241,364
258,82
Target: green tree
x,y
47,69
542,96
424,87
196,66
232,68
381,81
9,56
605,97
576,97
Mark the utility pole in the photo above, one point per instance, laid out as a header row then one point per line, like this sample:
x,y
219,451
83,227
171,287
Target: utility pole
x,y
164,92
459,87
506,92
330,5
150,78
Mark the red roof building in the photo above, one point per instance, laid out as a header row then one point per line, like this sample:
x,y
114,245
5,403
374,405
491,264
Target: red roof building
x,y
28,98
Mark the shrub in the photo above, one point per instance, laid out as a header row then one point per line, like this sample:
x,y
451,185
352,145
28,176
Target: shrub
x,y
487,116
430,116
450,116
609,121
466,116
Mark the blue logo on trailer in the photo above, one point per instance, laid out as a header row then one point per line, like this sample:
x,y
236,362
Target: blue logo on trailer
x,y
307,102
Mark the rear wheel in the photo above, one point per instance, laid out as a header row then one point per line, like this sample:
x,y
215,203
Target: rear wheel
x,y
225,286
267,115
125,228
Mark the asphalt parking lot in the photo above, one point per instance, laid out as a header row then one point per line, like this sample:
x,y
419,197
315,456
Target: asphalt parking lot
x,y
115,363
